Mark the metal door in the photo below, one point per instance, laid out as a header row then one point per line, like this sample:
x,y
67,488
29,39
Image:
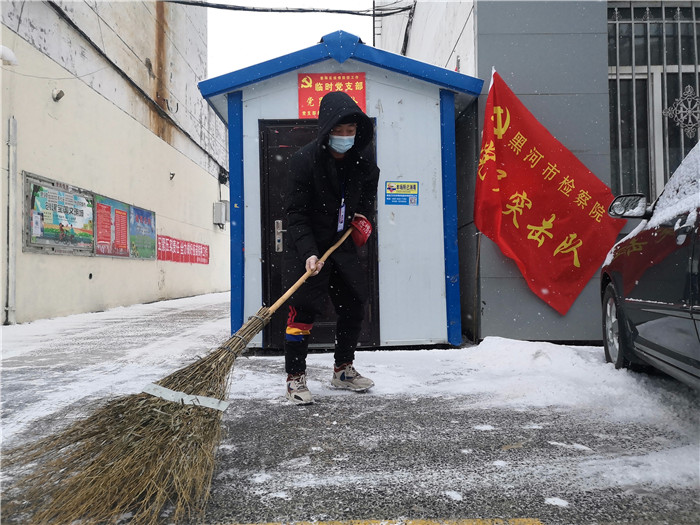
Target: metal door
x,y
279,140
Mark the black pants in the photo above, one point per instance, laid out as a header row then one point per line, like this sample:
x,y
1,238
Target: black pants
x,y
307,303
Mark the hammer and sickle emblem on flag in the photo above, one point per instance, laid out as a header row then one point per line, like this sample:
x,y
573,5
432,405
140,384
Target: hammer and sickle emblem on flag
x,y
500,128
306,82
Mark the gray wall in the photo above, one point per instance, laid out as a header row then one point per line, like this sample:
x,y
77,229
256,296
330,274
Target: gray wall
x,y
468,145
553,55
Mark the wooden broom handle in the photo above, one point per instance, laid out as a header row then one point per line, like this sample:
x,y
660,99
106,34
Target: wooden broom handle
x,y
308,273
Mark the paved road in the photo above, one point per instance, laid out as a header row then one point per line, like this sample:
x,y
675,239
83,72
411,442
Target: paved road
x,y
361,458
374,456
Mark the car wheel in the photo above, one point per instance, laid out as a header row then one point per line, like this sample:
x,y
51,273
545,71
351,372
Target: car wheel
x,y
614,330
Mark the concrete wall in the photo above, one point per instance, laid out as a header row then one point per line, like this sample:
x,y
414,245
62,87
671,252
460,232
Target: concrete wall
x,y
468,145
553,55
131,115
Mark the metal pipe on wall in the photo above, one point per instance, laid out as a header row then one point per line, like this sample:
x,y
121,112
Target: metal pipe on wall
x,y
10,288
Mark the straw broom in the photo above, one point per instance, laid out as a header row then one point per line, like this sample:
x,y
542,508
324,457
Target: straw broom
x,y
137,455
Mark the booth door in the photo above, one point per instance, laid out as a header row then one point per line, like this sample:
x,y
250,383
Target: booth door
x,y
279,139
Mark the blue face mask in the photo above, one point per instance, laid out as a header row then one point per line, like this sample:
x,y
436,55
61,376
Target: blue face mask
x,y
341,144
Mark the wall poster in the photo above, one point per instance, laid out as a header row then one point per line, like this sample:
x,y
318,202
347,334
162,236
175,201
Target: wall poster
x,y
401,193
111,227
142,231
58,217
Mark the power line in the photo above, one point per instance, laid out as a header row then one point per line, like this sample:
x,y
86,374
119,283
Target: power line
x,y
375,12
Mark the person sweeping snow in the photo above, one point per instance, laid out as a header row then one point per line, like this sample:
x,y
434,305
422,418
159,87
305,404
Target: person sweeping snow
x,y
332,182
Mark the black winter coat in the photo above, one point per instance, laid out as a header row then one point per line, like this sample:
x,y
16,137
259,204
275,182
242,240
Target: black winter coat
x,y
317,182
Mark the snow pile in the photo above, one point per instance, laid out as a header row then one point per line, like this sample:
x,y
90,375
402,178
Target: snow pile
x,y
682,192
51,364
497,373
667,467
680,195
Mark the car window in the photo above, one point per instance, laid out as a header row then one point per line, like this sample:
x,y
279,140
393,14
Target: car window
x,y
681,194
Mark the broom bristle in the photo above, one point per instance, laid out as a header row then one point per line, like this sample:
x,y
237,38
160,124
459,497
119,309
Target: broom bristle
x,y
137,454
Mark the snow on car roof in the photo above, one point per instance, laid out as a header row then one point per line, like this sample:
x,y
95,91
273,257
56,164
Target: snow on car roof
x,y
681,195
682,191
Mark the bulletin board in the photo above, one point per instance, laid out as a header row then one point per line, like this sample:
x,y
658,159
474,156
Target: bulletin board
x,y
58,217
63,219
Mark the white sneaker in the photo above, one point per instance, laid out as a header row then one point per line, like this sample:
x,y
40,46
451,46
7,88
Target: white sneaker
x,y
297,392
348,378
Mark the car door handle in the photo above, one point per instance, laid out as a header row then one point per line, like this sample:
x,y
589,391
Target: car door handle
x,y
682,233
682,230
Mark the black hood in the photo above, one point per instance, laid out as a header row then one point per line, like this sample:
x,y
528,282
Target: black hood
x,y
338,108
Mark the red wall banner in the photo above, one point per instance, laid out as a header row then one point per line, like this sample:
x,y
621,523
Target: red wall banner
x,y
177,250
314,86
540,205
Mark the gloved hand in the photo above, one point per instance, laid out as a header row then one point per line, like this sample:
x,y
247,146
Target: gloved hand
x,y
313,264
361,229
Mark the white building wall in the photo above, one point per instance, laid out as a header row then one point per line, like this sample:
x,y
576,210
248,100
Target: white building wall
x,y
411,238
131,115
441,33
120,50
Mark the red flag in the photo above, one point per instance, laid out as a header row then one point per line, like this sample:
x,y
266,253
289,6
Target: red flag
x,y
540,205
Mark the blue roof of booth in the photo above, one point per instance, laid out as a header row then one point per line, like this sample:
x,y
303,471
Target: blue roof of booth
x,y
339,46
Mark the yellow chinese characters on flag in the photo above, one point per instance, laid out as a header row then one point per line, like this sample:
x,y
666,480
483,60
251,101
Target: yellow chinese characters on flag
x,y
540,205
312,87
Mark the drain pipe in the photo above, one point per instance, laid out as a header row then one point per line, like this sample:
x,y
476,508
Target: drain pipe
x,y
11,222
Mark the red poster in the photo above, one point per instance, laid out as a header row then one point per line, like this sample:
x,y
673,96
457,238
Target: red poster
x,y
104,223
121,230
314,86
112,226
540,205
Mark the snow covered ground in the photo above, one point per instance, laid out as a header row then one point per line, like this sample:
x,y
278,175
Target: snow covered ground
x,y
56,362
52,368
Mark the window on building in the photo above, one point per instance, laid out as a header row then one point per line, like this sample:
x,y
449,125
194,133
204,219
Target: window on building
x,y
653,77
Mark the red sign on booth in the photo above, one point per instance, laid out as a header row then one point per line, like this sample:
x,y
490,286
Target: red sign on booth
x,y
314,86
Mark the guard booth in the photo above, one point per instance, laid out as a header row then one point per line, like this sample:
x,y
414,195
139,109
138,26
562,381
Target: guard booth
x,y
412,257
